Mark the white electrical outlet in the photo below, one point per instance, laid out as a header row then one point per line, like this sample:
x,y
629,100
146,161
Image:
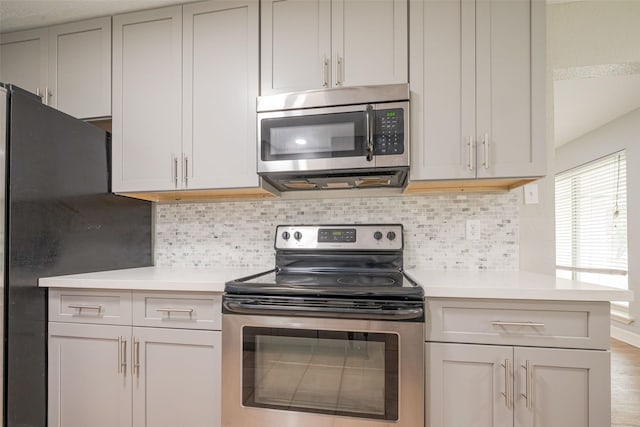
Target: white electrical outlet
x,y
473,229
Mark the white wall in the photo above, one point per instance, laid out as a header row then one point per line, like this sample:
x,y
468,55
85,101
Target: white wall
x,y
581,34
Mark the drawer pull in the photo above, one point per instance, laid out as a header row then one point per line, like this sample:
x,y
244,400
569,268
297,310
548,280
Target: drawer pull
x,y
79,307
175,310
532,324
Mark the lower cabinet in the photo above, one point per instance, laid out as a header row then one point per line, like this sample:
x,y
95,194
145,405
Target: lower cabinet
x,y
506,363
104,375
176,378
501,386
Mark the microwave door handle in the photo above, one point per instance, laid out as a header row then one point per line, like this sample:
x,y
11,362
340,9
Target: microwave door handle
x,y
370,116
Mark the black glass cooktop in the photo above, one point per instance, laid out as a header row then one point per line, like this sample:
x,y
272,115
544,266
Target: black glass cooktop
x,y
355,284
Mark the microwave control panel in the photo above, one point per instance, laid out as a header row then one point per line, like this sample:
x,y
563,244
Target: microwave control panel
x,y
389,133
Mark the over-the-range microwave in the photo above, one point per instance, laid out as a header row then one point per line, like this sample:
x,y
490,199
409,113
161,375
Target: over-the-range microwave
x,y
349,137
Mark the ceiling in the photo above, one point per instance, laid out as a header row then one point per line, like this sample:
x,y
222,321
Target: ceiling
x,y
584,101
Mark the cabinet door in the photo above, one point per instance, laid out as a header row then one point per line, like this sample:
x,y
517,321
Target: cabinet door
x,y
177,381
220,87
89,383
564,388
510,83
23,60
296,45
443,89
147,100
369,42
467,385
80,68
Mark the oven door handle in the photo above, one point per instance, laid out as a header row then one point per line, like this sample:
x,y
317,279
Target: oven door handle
x,y
346,313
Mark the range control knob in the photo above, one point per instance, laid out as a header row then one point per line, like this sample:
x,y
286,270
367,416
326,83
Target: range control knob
x,y
297,235
377,235
286,235
391,235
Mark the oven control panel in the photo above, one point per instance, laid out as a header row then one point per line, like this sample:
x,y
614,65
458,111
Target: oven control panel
x,y
346,237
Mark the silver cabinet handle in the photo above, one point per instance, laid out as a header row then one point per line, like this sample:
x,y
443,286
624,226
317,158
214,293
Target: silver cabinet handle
x,y
174,169
80,307
119,354
47,94
531,324
470,147
186,171
135,357
122,355
528,384
325,72
339,70
175,310
485,148
508,384
39,93
370,121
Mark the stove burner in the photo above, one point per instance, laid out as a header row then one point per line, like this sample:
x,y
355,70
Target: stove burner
x,y
366,281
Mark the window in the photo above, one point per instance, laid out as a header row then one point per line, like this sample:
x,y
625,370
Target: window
x,y
591,222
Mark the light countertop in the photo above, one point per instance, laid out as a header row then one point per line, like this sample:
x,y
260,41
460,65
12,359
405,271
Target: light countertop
x,y
511,285
452,284
152,279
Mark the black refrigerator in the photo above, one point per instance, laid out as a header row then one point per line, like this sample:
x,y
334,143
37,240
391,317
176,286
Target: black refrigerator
x,y
58,218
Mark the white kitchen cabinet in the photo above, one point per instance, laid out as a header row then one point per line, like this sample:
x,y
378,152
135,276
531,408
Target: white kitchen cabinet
x,y
185,83
315,44
220,86
465,385
147,99
176,379
24,57
88,375
68,65
496,363
486,386
477,89
80,68
127,374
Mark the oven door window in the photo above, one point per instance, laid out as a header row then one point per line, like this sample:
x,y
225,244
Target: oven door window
x,y
314,136
328,372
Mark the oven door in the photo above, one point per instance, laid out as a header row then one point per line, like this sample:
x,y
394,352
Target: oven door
x,y
321,372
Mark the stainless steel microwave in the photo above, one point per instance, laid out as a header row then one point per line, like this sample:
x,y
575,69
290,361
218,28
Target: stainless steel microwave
x,y
351,137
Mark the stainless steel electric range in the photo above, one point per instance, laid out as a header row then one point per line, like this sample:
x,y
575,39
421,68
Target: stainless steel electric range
x,y
332,336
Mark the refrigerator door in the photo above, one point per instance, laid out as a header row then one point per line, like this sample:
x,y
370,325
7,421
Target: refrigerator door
x,y
61,220
3,200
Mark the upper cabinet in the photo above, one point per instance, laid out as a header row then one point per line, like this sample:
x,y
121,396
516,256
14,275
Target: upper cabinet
x,y
24,60
315,44
68,65
185,87
477,89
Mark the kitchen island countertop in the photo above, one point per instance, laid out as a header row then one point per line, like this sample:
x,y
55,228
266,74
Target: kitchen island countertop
x,y
152,279
445,284
511,285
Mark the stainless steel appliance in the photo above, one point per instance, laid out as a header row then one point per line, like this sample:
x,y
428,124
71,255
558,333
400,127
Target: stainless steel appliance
x,y
331,337
57,217
350,137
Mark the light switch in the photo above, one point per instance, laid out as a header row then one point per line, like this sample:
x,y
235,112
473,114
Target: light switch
x,y
531,194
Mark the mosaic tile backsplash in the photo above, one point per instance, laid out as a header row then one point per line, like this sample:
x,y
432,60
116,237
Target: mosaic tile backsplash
x,y
241,233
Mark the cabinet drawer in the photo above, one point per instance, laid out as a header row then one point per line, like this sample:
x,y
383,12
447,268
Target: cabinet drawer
x,y
570,324
90,306
177,310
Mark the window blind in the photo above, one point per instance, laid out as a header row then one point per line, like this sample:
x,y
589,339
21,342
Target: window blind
x,y
591,222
